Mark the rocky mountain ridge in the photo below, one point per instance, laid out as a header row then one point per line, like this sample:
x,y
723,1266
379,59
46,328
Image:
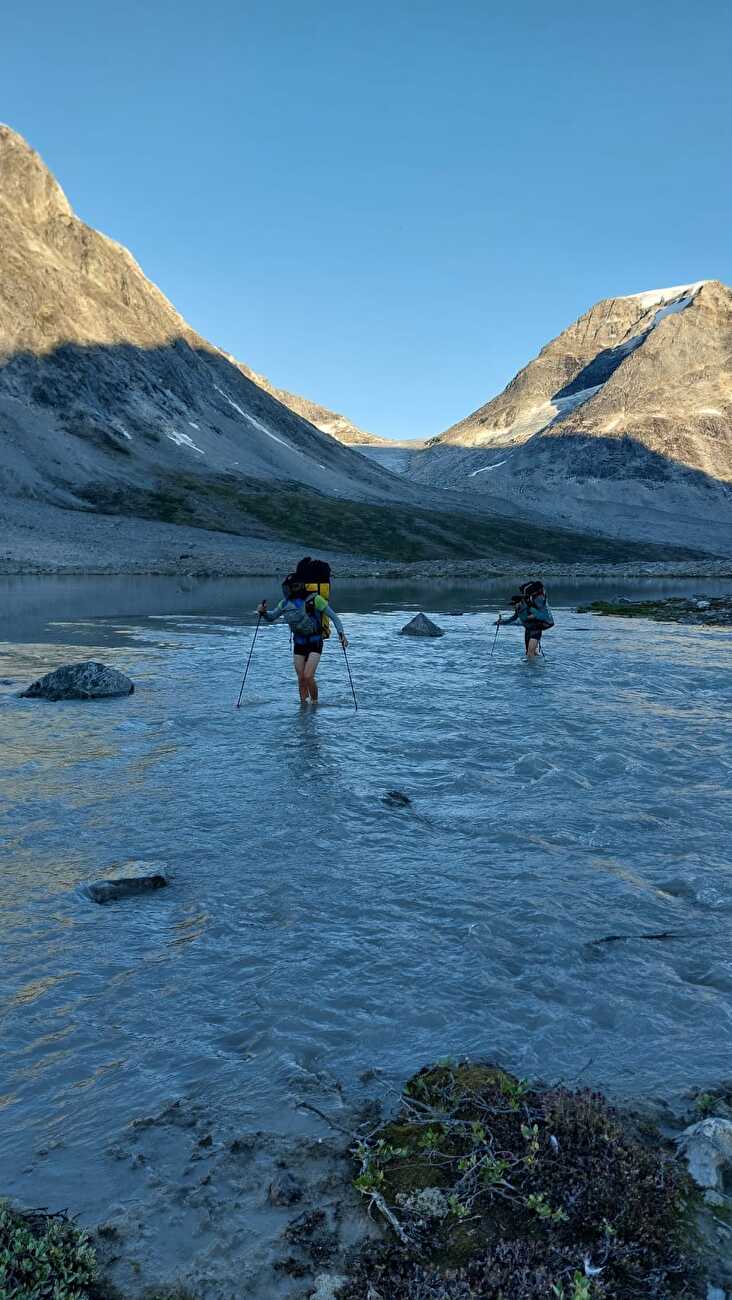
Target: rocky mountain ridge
x,y
104,386
624,420
330,422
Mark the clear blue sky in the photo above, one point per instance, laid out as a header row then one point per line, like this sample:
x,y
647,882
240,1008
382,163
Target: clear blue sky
x,y
387,205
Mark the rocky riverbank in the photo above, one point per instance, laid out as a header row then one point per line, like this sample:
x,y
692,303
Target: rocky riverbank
x,y
710,611
44,539
87,545
475,1185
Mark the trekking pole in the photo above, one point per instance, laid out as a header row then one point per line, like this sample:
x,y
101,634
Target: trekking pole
x,y
498,628
249,660
348,666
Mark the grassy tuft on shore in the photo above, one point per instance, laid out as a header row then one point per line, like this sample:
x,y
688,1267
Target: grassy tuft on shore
x,y
498,1190
676,609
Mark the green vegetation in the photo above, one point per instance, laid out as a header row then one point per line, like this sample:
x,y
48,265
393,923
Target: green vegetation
x,y
396,532
495,1190
44,1257
47,1257
677,609
715,1102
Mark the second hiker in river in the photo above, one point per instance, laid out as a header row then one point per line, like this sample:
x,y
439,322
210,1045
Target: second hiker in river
x,y
306,614
531,610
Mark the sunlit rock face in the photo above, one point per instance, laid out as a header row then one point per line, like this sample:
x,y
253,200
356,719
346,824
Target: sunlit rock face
x,y
624,420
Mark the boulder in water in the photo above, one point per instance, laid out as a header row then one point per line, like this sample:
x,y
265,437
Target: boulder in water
x,y
109,891
85,681
421,625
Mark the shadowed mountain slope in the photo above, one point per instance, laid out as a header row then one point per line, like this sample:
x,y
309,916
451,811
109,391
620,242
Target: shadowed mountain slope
x,y
101,377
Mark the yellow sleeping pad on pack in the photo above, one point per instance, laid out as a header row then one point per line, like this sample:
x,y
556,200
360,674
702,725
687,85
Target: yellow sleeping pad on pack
x,y
322,589
315,575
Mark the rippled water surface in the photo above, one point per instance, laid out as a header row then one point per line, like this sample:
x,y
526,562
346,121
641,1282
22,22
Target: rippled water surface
x,y
311,930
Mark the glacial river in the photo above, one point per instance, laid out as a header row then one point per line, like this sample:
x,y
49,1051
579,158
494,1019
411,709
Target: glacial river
x,y
311,932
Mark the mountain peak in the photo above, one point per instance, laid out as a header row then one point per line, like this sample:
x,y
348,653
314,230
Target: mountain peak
x,y
26,184
624,420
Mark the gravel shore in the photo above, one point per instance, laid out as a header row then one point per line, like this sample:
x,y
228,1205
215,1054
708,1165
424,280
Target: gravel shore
x,y
57,541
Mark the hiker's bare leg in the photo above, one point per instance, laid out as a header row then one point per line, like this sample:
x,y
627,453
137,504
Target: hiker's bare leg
x,y
532,649
311,666
300,661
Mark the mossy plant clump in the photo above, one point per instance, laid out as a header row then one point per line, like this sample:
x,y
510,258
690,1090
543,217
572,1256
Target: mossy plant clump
x,y
715,610
44,1257
503,1191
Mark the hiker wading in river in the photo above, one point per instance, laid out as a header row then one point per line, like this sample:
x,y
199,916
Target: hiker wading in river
x,y
531,610
304,612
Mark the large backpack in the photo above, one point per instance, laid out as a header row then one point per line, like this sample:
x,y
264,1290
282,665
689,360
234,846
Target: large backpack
x,y
304,620
315,576
533,592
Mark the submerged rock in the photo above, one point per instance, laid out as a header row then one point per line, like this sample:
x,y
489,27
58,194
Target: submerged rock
x,y
109,891
396,799
85,681
285,1190
421,625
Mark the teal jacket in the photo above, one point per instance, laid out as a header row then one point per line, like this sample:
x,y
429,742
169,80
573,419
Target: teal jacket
x,y
536,612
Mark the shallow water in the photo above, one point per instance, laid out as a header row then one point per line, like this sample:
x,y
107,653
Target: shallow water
x,y
310,931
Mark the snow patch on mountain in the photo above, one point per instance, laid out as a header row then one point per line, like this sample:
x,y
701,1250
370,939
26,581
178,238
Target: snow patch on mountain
x,y
485,467
680,304
537,418
566,404
651,297
182,440
252,419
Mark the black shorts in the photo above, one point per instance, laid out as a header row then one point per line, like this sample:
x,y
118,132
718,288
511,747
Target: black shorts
x,y
532,632
305,648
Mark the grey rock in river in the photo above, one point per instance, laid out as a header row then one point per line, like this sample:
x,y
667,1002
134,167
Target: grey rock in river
x,y
421,625
85,681
110,891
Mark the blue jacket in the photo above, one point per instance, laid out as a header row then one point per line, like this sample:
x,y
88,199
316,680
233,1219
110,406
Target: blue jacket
x,y
321,606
